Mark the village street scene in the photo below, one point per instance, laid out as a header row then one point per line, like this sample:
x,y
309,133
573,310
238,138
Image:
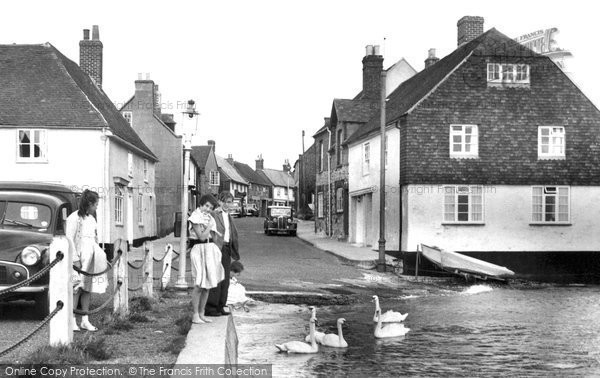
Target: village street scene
x,y
284,189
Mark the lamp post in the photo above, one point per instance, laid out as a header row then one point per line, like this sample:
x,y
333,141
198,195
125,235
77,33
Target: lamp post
x,y
187,147
381,260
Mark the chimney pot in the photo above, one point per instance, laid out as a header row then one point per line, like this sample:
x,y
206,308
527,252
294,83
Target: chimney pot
x,y
369,51
376,50
86,34
431,58
95,33
147,75
139,76
432,53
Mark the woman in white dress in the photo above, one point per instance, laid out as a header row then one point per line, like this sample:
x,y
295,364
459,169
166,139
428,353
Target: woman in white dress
x,y
87,255
205,256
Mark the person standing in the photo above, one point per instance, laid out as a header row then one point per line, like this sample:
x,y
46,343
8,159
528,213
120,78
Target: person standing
x,y
82,234
228,244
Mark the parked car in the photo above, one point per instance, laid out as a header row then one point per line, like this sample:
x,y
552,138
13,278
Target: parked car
x,y
252,210
31,214
280,219
235,209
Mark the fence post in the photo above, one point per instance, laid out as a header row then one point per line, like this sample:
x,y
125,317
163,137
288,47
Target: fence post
x,y
121,300
166,268
61,289
147,270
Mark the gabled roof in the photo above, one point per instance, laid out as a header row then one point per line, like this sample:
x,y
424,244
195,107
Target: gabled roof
x,y
325,126
250,174
353,110
411,92
201,154
229,170
40,87
279,178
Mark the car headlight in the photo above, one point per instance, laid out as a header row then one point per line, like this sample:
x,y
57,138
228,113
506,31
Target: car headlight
x,y
30,255
289,220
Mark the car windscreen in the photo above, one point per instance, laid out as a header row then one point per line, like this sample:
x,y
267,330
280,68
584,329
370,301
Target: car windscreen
x,y
281,212
25,215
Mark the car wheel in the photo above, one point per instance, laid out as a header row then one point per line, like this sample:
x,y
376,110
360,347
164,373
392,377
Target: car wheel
x,y
293,233
42,305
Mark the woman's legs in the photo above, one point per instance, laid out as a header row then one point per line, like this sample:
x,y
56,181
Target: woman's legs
x,y
76,294
85,306
195,302
203,299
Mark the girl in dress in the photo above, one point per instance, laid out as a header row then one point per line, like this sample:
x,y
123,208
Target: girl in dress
x,y
205,257
87,255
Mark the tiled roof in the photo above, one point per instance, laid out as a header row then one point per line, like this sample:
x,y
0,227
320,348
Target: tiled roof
x,y
325,126
200,154
354,110
250,174
264,176
413,90
39,86
279,178
229,170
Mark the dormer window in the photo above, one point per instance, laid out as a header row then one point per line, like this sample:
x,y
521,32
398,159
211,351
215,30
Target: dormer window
x,y
507,73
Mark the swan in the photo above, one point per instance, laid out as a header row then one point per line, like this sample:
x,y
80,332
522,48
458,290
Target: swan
x,y
390,316
333,340
390,329
318,334
300,346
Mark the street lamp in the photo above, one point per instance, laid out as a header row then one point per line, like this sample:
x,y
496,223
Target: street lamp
x,y
188,132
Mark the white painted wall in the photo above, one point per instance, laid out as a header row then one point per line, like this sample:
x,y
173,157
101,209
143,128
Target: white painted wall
x,y
359,183
397,74
507,215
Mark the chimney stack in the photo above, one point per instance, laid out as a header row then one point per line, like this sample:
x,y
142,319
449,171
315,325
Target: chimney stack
x,y
372,68
259,163
212,144
168,120
230,159
469,28
431,58
90,55
157,100
286,166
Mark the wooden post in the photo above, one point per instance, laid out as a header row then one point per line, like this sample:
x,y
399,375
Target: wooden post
x,y
121,300
61,289
147,269
166,267
417,263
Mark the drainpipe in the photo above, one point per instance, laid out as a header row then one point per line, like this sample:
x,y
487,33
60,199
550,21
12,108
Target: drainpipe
x,y
397,125
329,184
106,189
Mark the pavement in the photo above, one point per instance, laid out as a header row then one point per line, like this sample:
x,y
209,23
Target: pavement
x,y
216,342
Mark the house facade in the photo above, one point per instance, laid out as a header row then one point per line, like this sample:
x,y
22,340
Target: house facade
x,y
209,179
282,185
57,125
305,175
232,181
258,189
498,159
157,131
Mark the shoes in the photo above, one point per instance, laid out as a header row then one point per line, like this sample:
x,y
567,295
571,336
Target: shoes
x,y
76,327
88,326
225,313
212,313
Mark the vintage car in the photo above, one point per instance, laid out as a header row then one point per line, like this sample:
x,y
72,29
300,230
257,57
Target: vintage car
x,y
280,220
252,210
31,214
235,210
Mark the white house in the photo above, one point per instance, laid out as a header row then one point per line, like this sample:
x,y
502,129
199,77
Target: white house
x,y
57,125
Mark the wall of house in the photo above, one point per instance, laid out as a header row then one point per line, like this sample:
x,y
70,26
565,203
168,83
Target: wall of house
x,y
507,222
364,191
168,148
119,170
397,74
321,183
205,187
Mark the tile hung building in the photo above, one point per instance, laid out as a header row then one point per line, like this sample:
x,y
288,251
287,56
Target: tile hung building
x,y
499,158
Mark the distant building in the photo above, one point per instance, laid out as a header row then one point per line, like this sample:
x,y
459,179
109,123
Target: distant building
x,y
258,190
231,180
282,189
209,179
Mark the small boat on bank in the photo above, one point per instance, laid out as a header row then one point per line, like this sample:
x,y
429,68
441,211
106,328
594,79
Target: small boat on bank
x,y
460,264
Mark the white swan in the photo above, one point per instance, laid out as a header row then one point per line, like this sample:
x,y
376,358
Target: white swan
x,y
333,340
390,316
389,329
318,334
300,346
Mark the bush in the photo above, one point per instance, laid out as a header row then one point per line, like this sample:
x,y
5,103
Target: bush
x,y
175,346
141,304
184,323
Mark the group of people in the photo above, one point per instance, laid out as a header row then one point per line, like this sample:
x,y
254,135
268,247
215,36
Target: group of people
x,y
214,244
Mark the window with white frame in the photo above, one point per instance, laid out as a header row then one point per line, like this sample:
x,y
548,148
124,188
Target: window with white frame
x,y
145,170
339,200
550,204
140,209
32,145
551,142
507,73
366,158
464,140
463,204
320,204
118,205
128,117
130,164
214,178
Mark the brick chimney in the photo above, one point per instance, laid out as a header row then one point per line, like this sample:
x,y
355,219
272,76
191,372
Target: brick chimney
x,y
168,120
286,166
144,96
431,59
260,163
212,144
469,28
157,100
90,55
230,159
372,67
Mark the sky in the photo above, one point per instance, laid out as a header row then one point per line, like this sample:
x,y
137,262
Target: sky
x,y
262,71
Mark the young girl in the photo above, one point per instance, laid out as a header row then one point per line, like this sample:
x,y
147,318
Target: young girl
x,y
237,292
87,255
205,257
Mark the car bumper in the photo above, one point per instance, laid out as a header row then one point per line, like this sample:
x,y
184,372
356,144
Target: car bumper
x,y
27,289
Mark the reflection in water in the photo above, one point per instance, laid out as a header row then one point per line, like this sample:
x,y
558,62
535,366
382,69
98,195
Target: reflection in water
x,y
479,331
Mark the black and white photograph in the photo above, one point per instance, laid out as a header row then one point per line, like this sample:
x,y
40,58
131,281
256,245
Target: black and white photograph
x,y
291,188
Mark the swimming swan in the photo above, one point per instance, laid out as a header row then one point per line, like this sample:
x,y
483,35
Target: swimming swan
x,y
390,329
300,346
333,340
318,334
388,317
